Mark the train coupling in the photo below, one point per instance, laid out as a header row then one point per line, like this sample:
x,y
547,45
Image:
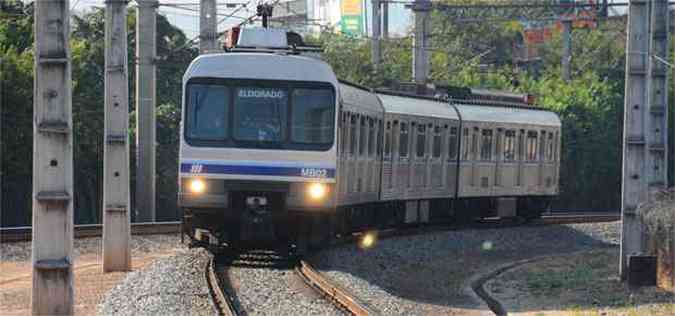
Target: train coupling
x,y
257,223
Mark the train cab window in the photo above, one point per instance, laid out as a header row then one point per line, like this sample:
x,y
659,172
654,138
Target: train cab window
x,y
510,145
312,116
207,117
532,146
352,134
421,140
363,136
387,140
486,145
437,142
466,146
549,147
452,144
260,115
403,141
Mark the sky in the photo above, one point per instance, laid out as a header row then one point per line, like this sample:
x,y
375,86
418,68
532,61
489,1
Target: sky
x,y
399,17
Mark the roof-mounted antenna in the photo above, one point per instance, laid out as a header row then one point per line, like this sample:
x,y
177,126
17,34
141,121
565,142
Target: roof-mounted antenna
x,y
264,10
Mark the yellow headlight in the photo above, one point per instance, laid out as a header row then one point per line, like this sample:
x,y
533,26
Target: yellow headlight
x,y
317,191
197,186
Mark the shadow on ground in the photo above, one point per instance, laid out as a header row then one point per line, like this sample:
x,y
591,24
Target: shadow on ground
x,y
429,274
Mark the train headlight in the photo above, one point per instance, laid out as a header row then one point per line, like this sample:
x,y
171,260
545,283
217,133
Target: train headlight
x,y
317,191
197,186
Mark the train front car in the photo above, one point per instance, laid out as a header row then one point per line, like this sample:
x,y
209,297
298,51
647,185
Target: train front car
x,y
258,147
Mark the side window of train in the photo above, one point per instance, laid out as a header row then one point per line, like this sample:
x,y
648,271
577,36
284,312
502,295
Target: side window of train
x,y
344,125
387,140
421,139
436,153
521,145
378,137
403,141
371,137
510,145
531,146
542,146
352,134
486,145
474,144
466,146
452,144
550,147
363,133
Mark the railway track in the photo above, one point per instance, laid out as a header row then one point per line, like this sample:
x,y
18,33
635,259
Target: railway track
x,y
24,233
222,299
347,302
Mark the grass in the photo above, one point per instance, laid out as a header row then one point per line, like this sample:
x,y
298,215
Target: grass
x,y
581,284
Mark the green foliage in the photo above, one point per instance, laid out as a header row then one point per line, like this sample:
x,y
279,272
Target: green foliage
x,y
87,50
478,55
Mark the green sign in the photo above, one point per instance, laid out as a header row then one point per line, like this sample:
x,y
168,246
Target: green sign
x,y
352,24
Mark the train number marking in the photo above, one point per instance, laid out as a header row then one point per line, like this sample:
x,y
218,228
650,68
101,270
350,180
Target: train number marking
x,y
196,168
314,172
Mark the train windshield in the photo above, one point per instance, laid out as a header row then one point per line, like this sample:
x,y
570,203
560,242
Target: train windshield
x,y
250,114
260,114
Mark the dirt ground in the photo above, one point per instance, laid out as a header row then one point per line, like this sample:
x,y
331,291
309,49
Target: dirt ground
x,y
585,283
90,283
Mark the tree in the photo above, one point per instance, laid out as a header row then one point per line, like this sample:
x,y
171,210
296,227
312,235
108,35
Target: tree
x,y
87,50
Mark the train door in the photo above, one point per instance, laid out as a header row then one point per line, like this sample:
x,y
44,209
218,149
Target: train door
x,y
342,155
498,159
451,164
403,159
435,170
419,160
387,185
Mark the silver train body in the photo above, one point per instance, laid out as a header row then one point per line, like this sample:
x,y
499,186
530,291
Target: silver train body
x,y
275,148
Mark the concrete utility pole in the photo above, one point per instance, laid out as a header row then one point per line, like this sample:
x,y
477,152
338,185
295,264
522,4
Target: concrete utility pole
x,y
52,162
146,50
208,38
385,20
657,120
376,48
634,190
567,49
116,216
421,9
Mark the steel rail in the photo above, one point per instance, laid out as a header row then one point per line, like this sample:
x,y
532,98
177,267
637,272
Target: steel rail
x,y
335,293
24,233
221,302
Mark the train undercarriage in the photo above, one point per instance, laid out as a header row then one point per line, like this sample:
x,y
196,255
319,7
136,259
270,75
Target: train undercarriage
x,y
262,221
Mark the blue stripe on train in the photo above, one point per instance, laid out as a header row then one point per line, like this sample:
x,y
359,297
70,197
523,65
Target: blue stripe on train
x,y
256,170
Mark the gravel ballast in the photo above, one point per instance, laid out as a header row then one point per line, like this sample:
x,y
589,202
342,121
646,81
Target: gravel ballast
x,y
431,273
276,291
169,286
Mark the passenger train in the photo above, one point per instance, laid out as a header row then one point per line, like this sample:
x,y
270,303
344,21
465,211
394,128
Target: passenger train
x,y
274,148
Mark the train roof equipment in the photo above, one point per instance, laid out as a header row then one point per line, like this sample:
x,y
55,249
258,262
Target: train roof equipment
x,y
267,40
357,96
401,103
